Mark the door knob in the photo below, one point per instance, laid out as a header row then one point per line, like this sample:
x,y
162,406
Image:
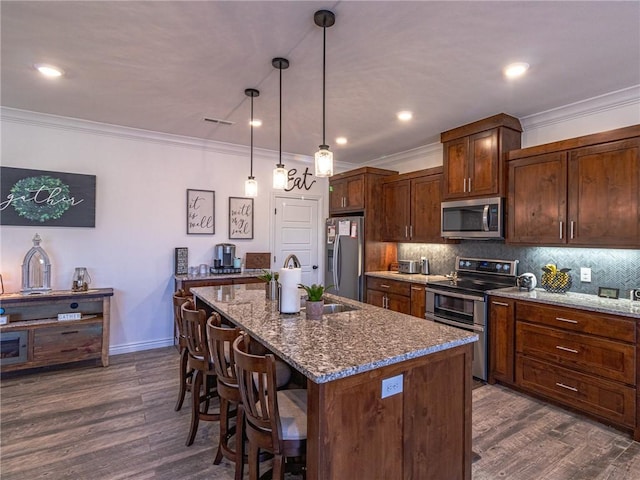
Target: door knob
x,y
315,267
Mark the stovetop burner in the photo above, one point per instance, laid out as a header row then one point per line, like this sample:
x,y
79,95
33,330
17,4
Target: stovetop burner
x,y
476,276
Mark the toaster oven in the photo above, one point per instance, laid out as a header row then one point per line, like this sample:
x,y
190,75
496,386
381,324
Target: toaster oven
x,y
408,266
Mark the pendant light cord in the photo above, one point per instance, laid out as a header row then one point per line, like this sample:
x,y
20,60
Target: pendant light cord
x,y
251,170
324,67
280,134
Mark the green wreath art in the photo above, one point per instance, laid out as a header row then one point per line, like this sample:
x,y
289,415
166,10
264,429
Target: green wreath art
x,y
40,212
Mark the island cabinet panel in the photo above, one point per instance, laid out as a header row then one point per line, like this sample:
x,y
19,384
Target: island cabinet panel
x,y
354,433
578,192
501,340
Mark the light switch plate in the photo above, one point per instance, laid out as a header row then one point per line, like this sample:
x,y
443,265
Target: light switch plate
x,y
585,274
391,386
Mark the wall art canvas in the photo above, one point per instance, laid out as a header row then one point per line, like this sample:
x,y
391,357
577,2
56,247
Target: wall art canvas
x,y
240,218
44,198
201,209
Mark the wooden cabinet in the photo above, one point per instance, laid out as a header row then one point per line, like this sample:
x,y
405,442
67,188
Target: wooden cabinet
x,y
397,295
187,283
473,157
355,191
584,360
411,207
578,192
501,340
418,300
45,340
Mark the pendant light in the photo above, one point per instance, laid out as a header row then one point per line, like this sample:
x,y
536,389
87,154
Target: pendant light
x,y
250,184
323,157
280,174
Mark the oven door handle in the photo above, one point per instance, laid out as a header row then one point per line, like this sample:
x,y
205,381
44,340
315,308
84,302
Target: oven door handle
x,y
455,295
464,326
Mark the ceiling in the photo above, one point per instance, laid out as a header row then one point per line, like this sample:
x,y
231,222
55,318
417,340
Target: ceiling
x,y
165,66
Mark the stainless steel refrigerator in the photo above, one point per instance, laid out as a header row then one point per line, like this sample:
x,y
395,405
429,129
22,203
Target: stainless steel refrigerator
x,y
344,256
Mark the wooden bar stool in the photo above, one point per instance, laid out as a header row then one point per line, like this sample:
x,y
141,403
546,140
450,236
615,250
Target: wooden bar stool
x,y
220,340
203,385
275,421
186,374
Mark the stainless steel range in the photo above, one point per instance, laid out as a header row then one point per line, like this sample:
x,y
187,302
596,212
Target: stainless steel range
x,y
461,301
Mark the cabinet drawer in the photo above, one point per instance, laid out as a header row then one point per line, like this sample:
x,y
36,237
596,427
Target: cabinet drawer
x,y
68,343
606,399
594,355
390,286
601,324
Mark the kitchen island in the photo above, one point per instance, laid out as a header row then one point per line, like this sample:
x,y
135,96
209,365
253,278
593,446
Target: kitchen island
x,y
415,425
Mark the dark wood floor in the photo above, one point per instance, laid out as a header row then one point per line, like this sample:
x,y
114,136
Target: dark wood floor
x,y
119,423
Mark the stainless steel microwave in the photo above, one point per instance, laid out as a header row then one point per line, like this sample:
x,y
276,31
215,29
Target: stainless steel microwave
x,y
478,218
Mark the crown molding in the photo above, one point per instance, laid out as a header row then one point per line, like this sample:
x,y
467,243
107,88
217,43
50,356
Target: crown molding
x,y
591,106
417,153
57,122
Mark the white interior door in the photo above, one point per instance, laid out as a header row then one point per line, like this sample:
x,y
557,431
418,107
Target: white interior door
x,y
296,231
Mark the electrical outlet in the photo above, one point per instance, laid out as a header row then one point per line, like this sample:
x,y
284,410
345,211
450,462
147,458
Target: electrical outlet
x,y
391,386
635,294
585,274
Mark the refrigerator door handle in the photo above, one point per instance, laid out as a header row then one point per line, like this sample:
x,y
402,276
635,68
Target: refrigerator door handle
x,y
336,247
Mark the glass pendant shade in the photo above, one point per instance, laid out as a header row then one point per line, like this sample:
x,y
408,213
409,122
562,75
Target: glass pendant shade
x,y
324,162
250,187
280,177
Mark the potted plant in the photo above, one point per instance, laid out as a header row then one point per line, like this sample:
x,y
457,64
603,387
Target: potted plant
x,y
315,301
271,287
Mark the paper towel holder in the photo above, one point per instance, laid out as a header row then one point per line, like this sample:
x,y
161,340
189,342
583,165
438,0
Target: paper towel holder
x,y
296,262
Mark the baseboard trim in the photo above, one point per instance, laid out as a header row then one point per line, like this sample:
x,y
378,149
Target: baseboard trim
x,y
139,346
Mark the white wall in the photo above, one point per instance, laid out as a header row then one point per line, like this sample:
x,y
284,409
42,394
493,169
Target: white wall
x,y
606,112
142,178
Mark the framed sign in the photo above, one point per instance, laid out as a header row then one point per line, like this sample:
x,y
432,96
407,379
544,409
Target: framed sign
x,y
181,260
201,212
240,218
44,198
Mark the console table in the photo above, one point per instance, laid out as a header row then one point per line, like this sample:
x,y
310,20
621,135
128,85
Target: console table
x,y
34,336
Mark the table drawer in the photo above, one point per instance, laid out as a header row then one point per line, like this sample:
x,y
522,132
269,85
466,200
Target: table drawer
x,y
67,343
589,354
390,286
601,324
604,398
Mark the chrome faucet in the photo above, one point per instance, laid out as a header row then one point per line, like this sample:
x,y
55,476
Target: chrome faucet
x,y
296,262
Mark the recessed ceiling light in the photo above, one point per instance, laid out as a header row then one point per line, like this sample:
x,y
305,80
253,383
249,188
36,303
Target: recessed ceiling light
x,y
517,69
405,115
256,123
341,140
49,70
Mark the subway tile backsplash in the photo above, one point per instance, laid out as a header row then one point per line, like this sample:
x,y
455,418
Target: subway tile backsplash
x,y
614,268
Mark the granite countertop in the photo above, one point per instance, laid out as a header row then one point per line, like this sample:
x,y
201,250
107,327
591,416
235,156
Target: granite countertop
x,y
582,301
340,344
407,277
252,273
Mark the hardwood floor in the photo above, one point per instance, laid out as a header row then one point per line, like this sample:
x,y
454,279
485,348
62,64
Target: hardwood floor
x,y
119,423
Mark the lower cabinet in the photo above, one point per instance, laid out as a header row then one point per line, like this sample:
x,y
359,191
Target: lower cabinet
x,y
584,360
397,295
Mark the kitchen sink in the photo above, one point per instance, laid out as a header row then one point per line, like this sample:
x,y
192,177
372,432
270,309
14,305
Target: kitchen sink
x,y
330,308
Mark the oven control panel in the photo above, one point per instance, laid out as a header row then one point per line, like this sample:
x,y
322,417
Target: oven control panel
x,y
481,265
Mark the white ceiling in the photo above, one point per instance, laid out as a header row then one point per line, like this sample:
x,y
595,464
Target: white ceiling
x,y
165,66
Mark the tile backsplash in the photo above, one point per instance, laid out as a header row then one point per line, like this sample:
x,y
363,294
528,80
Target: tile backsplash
x,y
614,268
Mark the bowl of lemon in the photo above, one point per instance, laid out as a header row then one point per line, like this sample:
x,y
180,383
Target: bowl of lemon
x,y
555,280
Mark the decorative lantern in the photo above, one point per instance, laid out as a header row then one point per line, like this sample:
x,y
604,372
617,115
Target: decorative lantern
x,y
36,269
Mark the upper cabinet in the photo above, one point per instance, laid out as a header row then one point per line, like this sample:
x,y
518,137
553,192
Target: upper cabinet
x,y
353,191
473,157
579,192
411,206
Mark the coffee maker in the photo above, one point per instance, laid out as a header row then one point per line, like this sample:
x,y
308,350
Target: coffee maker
x,y
223,255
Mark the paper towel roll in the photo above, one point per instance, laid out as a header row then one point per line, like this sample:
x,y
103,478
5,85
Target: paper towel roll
x,y
290,276
289,294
